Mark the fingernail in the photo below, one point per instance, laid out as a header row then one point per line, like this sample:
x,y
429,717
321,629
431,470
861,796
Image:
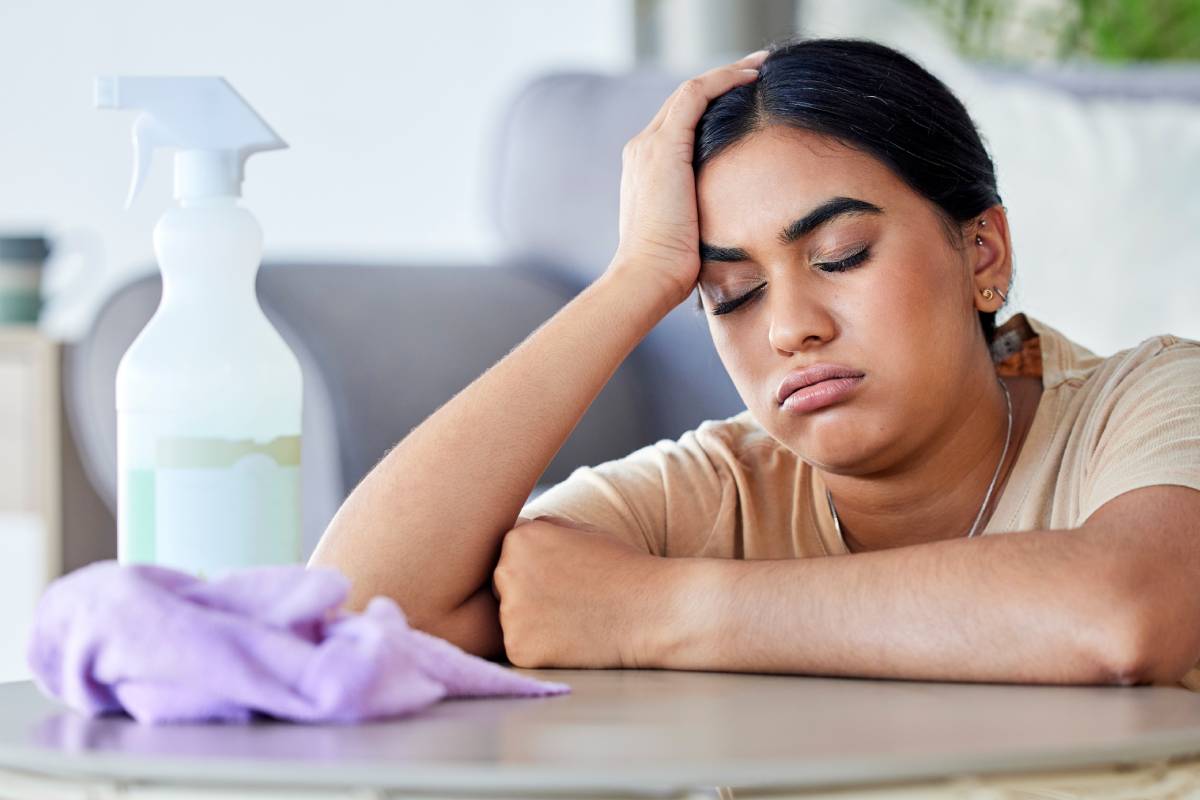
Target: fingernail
x,y
756,53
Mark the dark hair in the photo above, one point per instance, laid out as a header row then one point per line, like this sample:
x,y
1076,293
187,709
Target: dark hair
x,y
876,100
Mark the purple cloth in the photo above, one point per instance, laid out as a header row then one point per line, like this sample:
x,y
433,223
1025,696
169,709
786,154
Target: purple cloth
x,y
166,646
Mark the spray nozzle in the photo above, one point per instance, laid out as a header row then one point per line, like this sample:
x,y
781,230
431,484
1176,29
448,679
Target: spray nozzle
x,y
211,127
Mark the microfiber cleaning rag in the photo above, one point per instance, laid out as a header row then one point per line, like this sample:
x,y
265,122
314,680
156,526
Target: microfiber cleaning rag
x,y
165,646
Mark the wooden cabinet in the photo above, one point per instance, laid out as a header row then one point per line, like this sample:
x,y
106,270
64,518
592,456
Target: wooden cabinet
x,y
30,484
52,520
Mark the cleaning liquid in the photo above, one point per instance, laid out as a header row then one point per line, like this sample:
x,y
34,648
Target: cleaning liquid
x,y
208,395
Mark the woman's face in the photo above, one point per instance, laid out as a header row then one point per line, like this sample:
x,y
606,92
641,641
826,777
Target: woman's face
x,y
901,312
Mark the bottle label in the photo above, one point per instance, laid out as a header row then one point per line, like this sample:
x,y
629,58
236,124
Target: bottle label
x,y
209,504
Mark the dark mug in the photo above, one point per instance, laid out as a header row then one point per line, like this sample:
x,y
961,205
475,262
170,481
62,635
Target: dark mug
x,y
22,261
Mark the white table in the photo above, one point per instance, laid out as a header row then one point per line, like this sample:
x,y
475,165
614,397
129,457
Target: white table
x,y
640,733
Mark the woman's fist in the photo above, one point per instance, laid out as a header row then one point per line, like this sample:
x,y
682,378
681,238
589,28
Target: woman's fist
x,y
574,597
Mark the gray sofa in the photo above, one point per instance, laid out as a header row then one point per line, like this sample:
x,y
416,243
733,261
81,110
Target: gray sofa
x,y
382,346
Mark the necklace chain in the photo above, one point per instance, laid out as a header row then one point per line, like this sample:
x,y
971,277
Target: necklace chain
x,y
986,498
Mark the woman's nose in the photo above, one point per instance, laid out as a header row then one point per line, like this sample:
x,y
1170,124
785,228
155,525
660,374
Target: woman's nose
x,y
799,320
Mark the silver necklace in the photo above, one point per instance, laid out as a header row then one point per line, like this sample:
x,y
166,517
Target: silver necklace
x,y
987,497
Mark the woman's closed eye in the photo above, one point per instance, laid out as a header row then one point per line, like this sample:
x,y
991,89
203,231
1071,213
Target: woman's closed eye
x,y
846,263
829,266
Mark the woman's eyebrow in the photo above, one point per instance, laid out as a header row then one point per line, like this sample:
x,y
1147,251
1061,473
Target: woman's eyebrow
x,y
834,207
710,252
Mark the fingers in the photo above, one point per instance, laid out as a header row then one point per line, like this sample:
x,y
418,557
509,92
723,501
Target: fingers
x,y
751,61
694,96
754,59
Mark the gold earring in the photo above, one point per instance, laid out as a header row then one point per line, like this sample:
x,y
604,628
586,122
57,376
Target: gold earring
x,y
988,294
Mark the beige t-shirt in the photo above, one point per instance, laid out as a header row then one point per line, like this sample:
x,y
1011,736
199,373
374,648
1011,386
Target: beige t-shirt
x,y
728,489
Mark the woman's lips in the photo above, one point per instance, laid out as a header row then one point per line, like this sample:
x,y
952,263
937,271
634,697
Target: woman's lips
x,y
821,394
813,373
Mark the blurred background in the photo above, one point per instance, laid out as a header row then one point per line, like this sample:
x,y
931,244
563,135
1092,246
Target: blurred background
x,y
452,180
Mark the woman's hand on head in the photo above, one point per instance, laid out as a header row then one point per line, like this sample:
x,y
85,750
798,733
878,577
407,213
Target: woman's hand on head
x,y
659,226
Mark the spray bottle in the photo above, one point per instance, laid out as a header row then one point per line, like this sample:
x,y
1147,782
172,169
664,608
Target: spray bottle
x,y
208,395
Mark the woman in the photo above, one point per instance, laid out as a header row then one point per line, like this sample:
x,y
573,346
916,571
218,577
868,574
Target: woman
x,y
838,213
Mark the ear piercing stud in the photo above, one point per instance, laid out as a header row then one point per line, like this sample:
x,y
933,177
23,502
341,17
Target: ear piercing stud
x,y
978,238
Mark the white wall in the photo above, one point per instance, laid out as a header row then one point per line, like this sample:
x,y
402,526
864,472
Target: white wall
x,y
388,108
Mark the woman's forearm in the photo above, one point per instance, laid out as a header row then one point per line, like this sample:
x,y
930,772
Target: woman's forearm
x,y
424,526
1028,607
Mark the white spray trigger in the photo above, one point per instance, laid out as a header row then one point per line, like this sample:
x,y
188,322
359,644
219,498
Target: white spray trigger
x,y
211,128
148,134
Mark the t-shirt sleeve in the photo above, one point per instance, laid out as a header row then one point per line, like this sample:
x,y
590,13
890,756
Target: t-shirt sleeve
x,y
1151,435
640,498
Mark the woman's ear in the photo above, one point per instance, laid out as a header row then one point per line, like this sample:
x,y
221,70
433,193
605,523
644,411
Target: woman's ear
x,y
990,256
